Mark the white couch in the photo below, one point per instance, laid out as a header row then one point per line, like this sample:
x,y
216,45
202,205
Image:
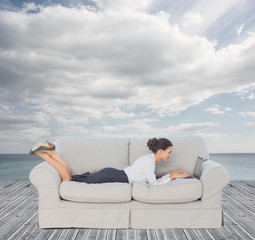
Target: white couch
x,y
183,203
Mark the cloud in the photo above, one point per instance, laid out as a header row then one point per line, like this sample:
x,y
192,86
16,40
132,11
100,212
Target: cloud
x,y
247,114
250,123
117,113
34,133
66,69
191,18
122,5
251,96
240,29
93,56
202,15
143,127
215,109
213,136
188,127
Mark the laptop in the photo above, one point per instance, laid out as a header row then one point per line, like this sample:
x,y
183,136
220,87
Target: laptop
x,y
197,169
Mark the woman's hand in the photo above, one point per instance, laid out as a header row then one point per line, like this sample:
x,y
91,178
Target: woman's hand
x,y
178,174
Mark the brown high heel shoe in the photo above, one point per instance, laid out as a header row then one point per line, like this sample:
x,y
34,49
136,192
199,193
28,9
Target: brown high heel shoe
x,y
49,143
42,146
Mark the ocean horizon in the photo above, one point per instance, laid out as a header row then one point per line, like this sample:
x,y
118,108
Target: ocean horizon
x,y
16,167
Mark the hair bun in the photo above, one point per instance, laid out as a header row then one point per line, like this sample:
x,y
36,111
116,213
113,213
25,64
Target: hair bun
x,y
152,144
155,144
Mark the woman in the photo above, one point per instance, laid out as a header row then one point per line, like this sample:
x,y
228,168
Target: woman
x,y
142,170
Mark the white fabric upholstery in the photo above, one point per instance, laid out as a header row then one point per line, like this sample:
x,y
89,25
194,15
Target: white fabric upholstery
x,y
177,191
107,192
176,218
92,154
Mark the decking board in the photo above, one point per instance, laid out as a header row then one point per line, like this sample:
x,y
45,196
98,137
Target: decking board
x,y
19,206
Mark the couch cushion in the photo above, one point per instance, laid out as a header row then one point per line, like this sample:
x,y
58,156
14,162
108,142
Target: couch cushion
x,y
184,154
85,154
106,192
177,191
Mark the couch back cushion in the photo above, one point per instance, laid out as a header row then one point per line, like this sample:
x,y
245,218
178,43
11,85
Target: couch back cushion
x,y
184,154
85,154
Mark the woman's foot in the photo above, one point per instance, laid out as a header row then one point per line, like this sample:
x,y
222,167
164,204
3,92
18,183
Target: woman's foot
x,y
42,147
54,155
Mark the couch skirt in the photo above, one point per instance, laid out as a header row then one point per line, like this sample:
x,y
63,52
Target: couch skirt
x,y
129,215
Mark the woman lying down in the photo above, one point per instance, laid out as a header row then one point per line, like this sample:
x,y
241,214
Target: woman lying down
x,y
142,170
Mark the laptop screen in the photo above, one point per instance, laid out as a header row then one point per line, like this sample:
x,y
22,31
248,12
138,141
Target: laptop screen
x,y
197,170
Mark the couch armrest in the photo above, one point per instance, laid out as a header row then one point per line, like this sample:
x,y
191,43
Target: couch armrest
x,y
214,178
47,181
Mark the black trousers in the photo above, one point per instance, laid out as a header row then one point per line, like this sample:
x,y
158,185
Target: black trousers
x,y
105,175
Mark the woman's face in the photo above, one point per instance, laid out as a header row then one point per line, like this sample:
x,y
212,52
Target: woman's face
x,y
165,154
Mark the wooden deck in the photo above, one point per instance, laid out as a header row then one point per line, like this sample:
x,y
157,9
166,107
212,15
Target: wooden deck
x,y
18,218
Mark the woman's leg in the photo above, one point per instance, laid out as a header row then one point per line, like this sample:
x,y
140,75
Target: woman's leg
x,y
53,154
62,171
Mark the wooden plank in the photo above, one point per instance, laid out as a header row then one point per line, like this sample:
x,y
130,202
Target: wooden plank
x,y
12,222
45,233
198,234
55,234
216,233
179,233
111,234
248,206
16,205
169,234
64,234
141,234
131,234
248,186
72,234
239,228
160,234
102,233
22,231
231,232
246,196
121,234
189,234
12,189
151,234
7,184
239,214
82,234
92,234
28,234
14,200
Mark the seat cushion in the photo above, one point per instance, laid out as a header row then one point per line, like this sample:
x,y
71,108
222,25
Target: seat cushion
x,y
105,192
177,191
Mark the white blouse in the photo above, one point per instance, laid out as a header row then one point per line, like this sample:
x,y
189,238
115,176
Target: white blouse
x,y
143,170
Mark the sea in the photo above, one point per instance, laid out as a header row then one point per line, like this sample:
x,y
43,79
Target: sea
x,y
15,167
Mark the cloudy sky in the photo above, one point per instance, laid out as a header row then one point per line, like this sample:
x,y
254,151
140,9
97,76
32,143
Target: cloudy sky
x,y
127,68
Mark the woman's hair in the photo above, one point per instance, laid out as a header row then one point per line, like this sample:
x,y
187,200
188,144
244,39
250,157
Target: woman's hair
x,y
155,144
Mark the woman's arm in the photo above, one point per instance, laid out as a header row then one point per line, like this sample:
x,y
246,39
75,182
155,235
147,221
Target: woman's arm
x,y
178,174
